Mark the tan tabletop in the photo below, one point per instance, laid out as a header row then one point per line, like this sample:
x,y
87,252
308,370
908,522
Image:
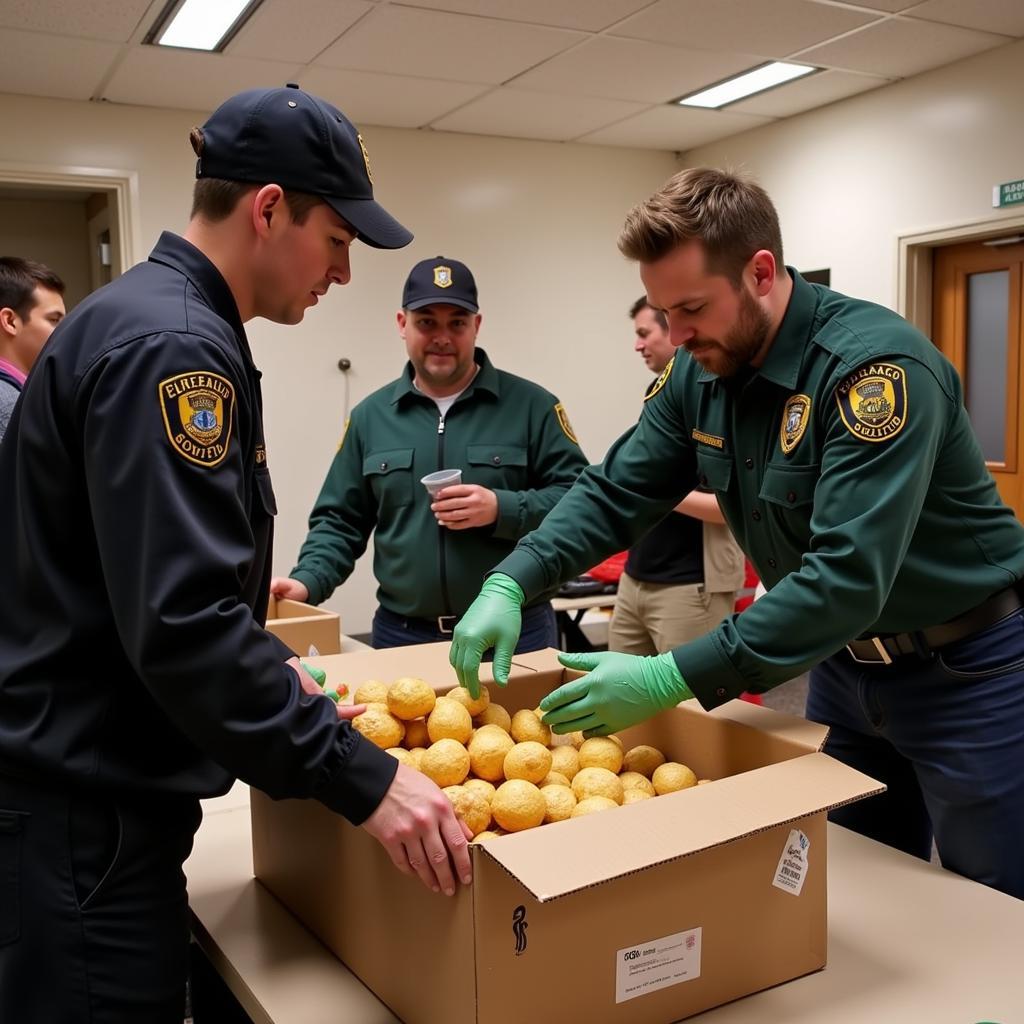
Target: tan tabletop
x,y
908,943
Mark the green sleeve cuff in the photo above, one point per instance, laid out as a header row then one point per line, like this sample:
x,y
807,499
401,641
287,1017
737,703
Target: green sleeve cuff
x,y
527,572
313,585
710,675
508,525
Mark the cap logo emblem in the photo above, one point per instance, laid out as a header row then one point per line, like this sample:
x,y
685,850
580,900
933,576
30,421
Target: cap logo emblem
x,y
442,277
795,416
366,156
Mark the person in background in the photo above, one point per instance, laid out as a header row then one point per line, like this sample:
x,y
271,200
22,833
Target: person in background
x,y
135,674
681,577
451,408
31,305
836,438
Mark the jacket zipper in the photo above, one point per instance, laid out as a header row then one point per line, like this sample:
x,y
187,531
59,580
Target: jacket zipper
x,y
442,539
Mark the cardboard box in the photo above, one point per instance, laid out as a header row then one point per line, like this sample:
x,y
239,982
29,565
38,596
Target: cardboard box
x,y
647,913
302,626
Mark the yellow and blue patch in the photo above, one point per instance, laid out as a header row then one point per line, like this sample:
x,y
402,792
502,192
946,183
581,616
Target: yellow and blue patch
x,y
198,411
873,401
563,422
795,416
660,382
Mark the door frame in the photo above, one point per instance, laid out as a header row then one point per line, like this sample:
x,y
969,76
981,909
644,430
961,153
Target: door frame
x,y
123,184
914,262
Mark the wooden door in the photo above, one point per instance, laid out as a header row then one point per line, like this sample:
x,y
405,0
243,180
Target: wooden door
x,y
977,325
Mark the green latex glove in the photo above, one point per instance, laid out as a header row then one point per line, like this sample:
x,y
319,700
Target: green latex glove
x,y
618,691
492,620
318,674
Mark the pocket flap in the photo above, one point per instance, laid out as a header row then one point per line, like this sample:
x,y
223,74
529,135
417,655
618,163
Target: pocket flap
x,y
382,463
495,455
791,486
714,471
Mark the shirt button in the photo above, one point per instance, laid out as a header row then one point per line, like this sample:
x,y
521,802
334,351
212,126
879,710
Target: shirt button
x,y
720,691
383,466
749,463
791,497
756,516
772,562
496,460
703,481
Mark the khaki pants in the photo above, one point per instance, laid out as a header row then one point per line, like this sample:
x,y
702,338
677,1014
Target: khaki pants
x,y
651,618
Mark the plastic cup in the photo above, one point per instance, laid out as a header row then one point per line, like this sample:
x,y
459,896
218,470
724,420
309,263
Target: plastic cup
x,y
435,482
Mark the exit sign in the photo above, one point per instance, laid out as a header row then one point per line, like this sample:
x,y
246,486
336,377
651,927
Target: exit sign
x,y
1008,194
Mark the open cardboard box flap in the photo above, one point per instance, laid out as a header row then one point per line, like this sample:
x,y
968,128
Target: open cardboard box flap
x,y
590,853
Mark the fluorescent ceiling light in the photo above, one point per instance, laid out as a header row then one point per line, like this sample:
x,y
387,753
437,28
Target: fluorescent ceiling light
x,y
767,76
203,24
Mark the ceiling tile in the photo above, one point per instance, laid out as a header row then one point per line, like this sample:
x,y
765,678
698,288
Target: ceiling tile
x,y
42,65
155,76
113,20
396,101
530,115
631,69
807,93
275,33
774,29
899,47
455,47
591,16
674,128
1005,16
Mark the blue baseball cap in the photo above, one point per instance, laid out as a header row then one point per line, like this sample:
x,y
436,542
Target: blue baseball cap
x,y
440,280
288,137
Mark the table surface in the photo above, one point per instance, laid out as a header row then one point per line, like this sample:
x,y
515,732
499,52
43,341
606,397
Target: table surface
x,y
908,942
568,604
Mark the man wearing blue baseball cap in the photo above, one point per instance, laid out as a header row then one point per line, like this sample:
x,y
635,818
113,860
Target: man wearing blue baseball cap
x,y
135,673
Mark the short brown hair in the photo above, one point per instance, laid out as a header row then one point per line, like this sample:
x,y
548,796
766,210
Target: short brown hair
x,y
641,304
19,279
214,200
730,215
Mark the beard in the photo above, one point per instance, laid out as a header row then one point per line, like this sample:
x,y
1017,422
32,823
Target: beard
x,y
743,343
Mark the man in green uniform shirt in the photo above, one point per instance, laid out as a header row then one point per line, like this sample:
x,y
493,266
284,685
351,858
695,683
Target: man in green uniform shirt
x,y
836,438
450,409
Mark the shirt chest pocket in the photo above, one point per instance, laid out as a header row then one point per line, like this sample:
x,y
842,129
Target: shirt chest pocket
x,y
714,472
497,465
790,486
389,474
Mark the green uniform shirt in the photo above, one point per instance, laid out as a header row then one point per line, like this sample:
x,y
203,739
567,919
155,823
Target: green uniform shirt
x,y
504,432
846,468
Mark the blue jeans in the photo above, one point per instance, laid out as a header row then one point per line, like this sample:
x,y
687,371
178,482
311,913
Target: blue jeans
x,y
391,630
946,735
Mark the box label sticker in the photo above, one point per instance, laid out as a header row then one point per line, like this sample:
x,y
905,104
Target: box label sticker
x,y
645,968
793,864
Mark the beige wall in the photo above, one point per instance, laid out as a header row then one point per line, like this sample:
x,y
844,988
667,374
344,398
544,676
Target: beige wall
x,y
919,155
536,222
53,232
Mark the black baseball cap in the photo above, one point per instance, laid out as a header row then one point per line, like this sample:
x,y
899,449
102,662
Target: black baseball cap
x,y
291,138
440,280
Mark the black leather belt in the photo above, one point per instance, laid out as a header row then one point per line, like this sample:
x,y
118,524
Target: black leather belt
x,y
881,650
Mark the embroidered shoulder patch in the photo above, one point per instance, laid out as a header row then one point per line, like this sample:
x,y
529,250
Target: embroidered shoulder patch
x,y
344,431
563,422
198,409
795,415
660,382
873,401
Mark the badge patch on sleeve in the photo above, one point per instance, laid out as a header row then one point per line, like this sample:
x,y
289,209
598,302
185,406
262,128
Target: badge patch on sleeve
x,y
873,401
660,382
563,422
198,408
794,421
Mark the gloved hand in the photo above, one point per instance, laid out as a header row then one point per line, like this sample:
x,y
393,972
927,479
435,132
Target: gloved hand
x,y
492,620
318,674
618,690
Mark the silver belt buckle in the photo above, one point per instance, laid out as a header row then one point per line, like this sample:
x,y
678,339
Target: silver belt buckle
x,y
446,623
883,658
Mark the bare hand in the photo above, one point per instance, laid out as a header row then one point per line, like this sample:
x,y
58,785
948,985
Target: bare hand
x,y
308,684
463,506
416,824
286,587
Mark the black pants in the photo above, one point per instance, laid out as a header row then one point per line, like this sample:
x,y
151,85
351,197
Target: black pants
x,y
93,911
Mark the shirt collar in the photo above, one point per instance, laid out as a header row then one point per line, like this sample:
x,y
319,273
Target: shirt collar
x,y
18,375
486,379
782,364
174,251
